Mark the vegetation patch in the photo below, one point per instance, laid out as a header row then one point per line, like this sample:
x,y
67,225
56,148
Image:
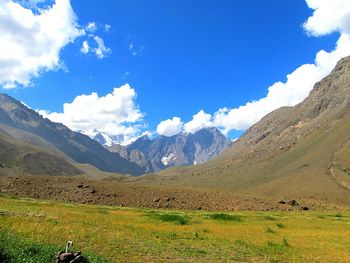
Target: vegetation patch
x,y
226,217
278,248
171,217
339,215
270,230
270,218
280,225
14,248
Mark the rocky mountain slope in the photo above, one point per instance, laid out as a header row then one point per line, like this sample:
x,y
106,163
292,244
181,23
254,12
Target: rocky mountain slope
x,y
178,150
76,146
21,157
300,151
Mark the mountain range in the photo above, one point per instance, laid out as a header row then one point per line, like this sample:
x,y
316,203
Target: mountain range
x,y
178,150
76,146
52,148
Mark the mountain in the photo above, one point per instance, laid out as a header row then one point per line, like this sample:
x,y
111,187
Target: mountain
x,y
296,152
23,157
107,140
178,150
76,146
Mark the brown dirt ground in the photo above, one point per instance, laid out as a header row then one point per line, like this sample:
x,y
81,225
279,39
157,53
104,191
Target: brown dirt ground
x,y
118,193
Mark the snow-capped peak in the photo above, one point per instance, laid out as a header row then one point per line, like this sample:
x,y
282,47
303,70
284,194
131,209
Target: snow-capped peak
x,y
107,139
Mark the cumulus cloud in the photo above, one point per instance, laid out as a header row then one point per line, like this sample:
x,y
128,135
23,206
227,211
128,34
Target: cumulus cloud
x,y
116,113
170,127
31,43
199,121
175,125
328,17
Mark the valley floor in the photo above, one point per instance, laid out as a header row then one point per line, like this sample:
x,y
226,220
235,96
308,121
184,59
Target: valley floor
x,y
121,193
33,231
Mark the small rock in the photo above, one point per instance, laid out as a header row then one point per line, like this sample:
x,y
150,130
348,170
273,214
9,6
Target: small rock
x,y
282,202
156,199
305,208
80,186
199,208
93,191
293,202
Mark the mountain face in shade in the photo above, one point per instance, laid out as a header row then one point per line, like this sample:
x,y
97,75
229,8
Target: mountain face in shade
x,y
178,150
76,146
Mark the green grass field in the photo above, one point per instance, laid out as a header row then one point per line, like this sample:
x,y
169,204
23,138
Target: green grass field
x,y
33,231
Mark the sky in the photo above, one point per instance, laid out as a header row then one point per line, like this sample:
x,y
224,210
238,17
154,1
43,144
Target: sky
x,y
133,67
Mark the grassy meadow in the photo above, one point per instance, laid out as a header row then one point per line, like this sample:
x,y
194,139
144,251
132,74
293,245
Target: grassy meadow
x,y
34,231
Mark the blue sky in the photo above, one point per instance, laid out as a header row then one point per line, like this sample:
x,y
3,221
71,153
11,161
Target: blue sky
x,y
181,57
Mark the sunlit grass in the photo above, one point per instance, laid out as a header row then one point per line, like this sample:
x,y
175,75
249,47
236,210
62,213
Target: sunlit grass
x,y
143,235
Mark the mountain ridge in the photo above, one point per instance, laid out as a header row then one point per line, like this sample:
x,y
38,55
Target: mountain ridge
x,y
77,146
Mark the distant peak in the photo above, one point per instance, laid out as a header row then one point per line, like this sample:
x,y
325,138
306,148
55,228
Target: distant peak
x,y
144,137
209,129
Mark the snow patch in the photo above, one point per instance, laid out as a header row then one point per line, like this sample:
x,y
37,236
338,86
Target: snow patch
x,y
105,138
108,141
168,159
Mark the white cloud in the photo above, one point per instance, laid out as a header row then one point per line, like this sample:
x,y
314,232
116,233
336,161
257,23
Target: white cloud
x,y
199,121
85,47
31,43
115,113
96,46
175,125
170,127
329,16
101,50
107,27
91,27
